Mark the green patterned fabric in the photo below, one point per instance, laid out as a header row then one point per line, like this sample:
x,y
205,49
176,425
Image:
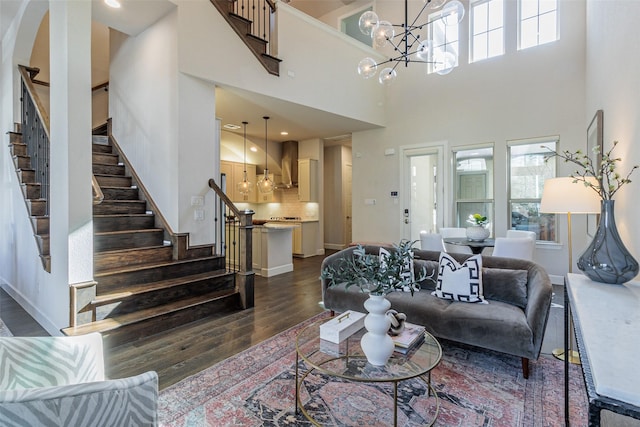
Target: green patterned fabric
x,y
59,381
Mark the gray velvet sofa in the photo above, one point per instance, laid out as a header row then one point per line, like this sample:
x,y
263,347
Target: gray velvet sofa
x,y
518,293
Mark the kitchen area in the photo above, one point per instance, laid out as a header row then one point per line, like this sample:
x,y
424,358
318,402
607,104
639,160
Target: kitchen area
x,y
286,222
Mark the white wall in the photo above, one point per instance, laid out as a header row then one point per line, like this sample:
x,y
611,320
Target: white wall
x,y
143,105
46,295
613,85
523,94
317,55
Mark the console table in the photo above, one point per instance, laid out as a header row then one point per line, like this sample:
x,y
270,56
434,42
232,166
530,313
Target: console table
x,y
606,320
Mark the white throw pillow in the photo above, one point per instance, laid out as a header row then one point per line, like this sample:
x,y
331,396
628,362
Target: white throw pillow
x,y
460,282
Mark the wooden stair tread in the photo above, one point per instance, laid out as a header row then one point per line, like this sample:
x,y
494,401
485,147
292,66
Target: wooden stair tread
x,y
118,251
116,322
122,215
142,230
151,266
153,286
124,201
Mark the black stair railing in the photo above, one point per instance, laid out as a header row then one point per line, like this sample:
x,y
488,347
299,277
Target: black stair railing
x,y
261,13
35,132
233,234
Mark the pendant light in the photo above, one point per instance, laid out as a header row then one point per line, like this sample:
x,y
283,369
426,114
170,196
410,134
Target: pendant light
x,y
244,186
265,185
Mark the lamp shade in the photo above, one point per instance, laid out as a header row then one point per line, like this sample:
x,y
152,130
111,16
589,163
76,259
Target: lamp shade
x,y
563,195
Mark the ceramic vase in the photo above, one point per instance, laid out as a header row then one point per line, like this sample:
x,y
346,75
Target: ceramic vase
x,y
477,233
606,259
376,344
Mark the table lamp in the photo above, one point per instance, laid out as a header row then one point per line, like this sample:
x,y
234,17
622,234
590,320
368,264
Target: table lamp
x,y
564,196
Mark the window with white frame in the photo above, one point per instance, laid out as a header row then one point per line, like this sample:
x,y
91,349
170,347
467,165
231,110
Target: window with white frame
x,y
538,22
529,166
487,29
444,35
473,183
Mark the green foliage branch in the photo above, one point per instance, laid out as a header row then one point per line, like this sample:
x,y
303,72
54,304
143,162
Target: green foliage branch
x,y
608,180
377,274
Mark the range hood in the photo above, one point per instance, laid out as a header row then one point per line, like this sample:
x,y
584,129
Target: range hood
x,y
289,165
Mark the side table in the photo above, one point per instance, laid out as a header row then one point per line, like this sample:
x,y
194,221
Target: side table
x,y
606,320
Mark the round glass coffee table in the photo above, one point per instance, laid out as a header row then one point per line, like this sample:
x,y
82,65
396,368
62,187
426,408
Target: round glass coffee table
x,y
346,360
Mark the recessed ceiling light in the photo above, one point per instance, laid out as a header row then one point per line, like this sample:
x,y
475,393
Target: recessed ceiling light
x,y
112,3
284,133
231,126
254,149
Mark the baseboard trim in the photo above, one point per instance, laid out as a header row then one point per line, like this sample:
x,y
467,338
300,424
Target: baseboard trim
x,y
556,280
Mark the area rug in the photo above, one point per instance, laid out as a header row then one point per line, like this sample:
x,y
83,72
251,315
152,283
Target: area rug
x,y
476,388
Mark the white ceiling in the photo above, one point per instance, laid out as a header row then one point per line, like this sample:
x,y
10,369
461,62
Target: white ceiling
x,y
235,106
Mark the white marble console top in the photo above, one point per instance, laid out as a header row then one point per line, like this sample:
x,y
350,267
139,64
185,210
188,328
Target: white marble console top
x,y
609,319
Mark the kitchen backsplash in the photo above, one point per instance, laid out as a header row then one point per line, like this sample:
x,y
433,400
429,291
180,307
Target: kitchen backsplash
x,y
289,207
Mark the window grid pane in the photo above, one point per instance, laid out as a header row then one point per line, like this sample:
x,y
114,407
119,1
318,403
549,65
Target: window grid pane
x,y
474,184
528,169
444,37
538,22
487,30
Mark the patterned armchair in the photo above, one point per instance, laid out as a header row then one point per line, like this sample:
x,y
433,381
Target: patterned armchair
x,y
59,381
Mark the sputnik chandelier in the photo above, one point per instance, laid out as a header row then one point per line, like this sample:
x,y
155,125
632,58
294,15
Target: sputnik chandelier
x,y
411,46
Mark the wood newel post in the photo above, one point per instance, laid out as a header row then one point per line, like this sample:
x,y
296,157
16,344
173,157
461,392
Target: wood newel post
x,y
245,276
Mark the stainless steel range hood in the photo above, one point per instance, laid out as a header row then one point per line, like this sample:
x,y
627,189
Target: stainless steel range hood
x,y
289,165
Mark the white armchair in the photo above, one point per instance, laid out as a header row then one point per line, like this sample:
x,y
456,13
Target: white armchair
x,y
431,242
59,381
514,247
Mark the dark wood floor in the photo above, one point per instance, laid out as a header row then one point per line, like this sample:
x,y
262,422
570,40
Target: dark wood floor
x,y
280,302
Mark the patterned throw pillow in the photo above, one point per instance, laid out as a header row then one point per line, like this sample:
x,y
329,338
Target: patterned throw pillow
x,y
460,282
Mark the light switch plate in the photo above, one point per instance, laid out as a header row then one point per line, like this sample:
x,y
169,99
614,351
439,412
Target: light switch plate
x,y
197,201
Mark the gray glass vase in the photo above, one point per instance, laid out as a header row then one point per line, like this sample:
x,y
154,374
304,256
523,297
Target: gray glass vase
x,y
606,259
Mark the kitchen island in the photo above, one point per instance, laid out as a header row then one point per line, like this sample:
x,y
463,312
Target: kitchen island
x,y
272,248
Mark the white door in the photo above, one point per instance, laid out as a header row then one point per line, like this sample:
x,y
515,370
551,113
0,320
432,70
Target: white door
x,y
423,189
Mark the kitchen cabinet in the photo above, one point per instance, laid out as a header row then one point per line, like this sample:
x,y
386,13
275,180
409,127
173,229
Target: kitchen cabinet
x,y
272,249
307,180
235,174
273,197
305,239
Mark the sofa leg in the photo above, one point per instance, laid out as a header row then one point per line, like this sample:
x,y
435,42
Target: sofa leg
x,y
333,313
525,368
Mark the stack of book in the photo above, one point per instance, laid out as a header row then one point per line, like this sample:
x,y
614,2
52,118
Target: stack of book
x,y
409,338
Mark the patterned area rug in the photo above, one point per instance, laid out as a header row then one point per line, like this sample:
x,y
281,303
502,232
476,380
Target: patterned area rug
x,y
476,388
4,331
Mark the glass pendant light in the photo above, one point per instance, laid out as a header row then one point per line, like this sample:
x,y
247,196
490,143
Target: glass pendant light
x,y
244,186
265,185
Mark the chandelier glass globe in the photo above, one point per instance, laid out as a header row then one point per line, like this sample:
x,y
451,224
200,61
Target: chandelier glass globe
x,y
425,51
444,62
367,68
387,76
382,34
367,22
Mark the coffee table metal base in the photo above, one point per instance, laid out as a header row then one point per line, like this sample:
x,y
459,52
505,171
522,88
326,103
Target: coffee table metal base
x,y
300,379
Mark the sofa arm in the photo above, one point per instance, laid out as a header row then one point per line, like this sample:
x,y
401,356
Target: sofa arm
x,y
333,260
119,402
539,296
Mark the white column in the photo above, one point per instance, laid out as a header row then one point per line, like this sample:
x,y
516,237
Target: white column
x,y
71,198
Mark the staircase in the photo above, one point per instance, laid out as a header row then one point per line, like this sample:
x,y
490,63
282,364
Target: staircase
x,y
251,20
31,190
141,287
